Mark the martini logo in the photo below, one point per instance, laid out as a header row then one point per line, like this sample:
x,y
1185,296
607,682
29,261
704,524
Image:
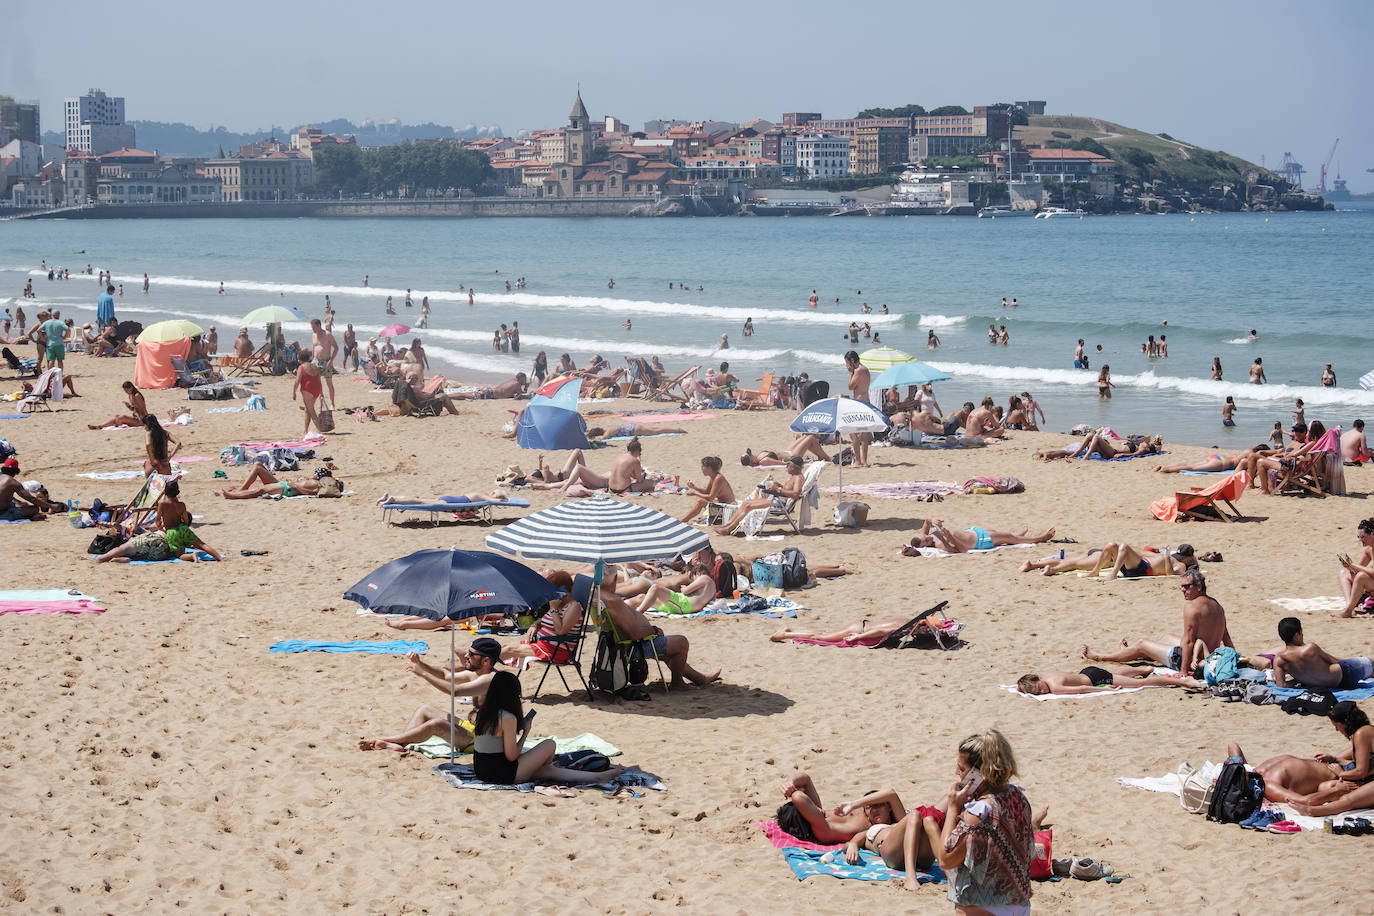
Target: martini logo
x,y
372,586
481,594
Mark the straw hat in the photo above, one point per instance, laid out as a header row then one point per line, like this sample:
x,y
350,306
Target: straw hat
x,y
512,472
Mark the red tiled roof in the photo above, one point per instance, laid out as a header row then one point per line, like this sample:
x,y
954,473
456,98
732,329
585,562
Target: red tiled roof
x,y
129,151
1083,154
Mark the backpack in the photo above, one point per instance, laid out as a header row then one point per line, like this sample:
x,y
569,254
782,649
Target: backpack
x,y
588,761
618,666
726,578
1237,795
6,450
1222,665
794,574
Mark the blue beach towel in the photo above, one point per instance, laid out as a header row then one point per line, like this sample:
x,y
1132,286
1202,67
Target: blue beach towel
x,y
15,416
366,647
1362,691
808,863
204,557
462,776
1125,457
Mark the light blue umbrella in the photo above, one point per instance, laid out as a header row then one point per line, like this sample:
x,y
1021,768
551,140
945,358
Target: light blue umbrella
x,y
913,372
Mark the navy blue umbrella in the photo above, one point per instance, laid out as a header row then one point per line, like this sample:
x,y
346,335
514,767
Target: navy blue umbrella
x,y
549,427
453,585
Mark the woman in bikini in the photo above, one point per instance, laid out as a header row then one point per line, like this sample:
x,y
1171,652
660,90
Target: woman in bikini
x,y
159,460
310,388
262,482
1095,443
860,632
138,409
1323,784
804,445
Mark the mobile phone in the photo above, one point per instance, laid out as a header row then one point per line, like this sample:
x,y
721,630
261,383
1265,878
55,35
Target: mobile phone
x,y
529,717
973,780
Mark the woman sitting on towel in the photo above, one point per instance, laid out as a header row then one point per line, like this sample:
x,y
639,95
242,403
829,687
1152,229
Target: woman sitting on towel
x,y
138,409
935,534
502,728
159,460
1324,783
878,822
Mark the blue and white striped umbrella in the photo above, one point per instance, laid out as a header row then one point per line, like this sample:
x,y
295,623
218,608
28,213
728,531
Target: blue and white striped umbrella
x,y
1367,381
598,528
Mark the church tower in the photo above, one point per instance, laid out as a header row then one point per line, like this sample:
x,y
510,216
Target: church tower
x,y
579,133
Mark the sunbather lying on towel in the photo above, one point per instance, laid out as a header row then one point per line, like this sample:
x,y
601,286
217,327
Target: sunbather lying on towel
x,y
168,538
744,566
626,475
1212,463
1298,663
630,430
1323,784
1166,652
1095,443
872,819
860,630
1120,560
1093,679
262,482
804,445
686,598
495,496
935,534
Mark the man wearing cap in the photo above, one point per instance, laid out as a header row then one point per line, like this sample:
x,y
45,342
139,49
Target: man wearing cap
x,y
10,490
104,307
1204,629
478,662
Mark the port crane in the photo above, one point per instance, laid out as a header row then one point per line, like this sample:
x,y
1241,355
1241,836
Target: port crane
x,y
1321,180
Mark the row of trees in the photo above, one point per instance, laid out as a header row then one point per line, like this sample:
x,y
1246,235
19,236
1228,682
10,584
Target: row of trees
x,y
418,169
1018,115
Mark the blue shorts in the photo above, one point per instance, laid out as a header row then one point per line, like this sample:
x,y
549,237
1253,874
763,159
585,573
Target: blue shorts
x,y
1228,422
12,514
1175,659
1354,670
659,644
984,541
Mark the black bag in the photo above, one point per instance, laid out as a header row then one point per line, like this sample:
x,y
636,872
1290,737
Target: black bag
x,y
104,543
1310,703
608,666
587,761
794,574
1237,795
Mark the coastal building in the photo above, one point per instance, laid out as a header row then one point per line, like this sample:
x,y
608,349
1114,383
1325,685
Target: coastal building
x,y
129,163
19,120
27,156
625,172
822,156
308,138
876,147
36,193
799,118
744,168
275,175
168,184
95,123
689,140
80,172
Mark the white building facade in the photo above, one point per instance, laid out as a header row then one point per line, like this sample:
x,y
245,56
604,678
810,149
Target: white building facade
x,y
823,156
95,123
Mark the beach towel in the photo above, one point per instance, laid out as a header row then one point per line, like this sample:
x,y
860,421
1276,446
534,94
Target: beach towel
x,y
781,839
47,601
1311,605
937,553
200,554
364,646
1096,457
437,747
15,521
666,416
1202,473
113,475
1011,688
15,416
310,442
461,776
939,442
809,863
1172,784
777,608
867,642
1361,691
905,489
640,436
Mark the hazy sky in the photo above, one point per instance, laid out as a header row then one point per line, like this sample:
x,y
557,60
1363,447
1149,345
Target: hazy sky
x,y
1253,78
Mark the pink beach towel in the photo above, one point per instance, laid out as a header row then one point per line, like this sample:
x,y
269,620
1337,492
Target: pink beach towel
x,y
666,419
311,442
868,642
781,839
50,607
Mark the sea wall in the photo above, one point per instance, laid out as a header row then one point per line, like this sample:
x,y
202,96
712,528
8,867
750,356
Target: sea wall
x,y
372,209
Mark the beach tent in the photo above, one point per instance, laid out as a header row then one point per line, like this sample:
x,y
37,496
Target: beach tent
x,y
153,363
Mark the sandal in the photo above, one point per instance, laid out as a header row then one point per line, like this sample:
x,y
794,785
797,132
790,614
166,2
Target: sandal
x,y
1210,557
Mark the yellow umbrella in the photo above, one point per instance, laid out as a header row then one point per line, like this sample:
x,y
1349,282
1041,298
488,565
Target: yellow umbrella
x,y
881,358
168,331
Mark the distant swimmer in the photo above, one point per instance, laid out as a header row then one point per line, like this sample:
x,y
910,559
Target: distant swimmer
x,y
1104,383
1216,368
1014,303
1079,362
724,342
932,341
626,324
470,296
1163,348
145,283
1254,335
507,286
1228,411
1004,302
389,309
1328,377
610,284
992,333
876,340
864,309
1257,376
364,279
748,330
327,306
814,299
221,287
1003,337
884,308
700,288
408,298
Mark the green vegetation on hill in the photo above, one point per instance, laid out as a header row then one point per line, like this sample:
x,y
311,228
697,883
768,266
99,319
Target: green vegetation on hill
x,y
1140,157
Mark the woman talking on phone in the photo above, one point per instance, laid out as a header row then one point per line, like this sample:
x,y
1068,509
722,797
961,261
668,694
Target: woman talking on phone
x,y
501,730
988,834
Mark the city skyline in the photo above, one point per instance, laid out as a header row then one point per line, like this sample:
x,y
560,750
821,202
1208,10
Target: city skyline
x,y
1209,74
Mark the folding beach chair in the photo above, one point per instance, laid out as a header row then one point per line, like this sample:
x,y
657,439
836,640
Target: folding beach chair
x,y
135,515
664,392
619,647
1203,503
47,388
25,367
642,374
374,375
260,363
762,397
1317,473
188,377
572,643
796,513
926,631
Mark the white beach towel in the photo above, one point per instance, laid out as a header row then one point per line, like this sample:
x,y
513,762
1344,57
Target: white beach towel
x,y
1011,688
1311,605
937,553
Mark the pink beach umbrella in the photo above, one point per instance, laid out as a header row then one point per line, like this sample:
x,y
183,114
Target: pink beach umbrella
x,y
394,330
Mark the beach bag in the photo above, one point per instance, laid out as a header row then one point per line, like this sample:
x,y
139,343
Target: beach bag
x,y
1222,665
767,575
1195,789
587,761
1237,795
330,488
104,543
850,515
1041,866
794,574
324,419
1310,703
6,450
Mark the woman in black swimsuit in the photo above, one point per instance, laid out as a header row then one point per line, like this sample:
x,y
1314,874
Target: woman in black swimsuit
x,y
501,730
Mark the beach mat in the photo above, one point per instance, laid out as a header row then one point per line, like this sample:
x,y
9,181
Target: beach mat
x,y
438,747
461,776
47,601
905,489
777,608
1325,603
363,646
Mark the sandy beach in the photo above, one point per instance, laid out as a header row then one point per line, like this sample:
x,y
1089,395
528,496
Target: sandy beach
x,y
157,756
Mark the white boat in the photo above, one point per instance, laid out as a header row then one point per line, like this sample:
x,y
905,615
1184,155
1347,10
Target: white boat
x,y
1057,213
1001,212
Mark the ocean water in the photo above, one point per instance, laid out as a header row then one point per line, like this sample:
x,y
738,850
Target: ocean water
x,y
1302,280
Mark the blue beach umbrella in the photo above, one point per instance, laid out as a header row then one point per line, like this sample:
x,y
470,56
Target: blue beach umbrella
x,y
912,372
550,421
840,415
452,584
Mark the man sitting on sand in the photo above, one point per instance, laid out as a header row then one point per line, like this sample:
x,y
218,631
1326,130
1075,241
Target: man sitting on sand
x,y
627,475
262,482
10,490
1306,664
982,422
1354,446
479,664
1204,629
935,534
1120,560
1093,679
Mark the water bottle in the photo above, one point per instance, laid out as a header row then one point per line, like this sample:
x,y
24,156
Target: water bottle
x,y
74,513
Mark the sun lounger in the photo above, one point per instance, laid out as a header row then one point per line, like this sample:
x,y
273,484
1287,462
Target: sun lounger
x,y
1202,503
921,632
760,397
480,511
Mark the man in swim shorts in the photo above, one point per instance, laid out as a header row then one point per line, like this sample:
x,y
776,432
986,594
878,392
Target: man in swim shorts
x,y
10,490
1093,679
1305,664
55,330
633,625
935,534
1204,629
